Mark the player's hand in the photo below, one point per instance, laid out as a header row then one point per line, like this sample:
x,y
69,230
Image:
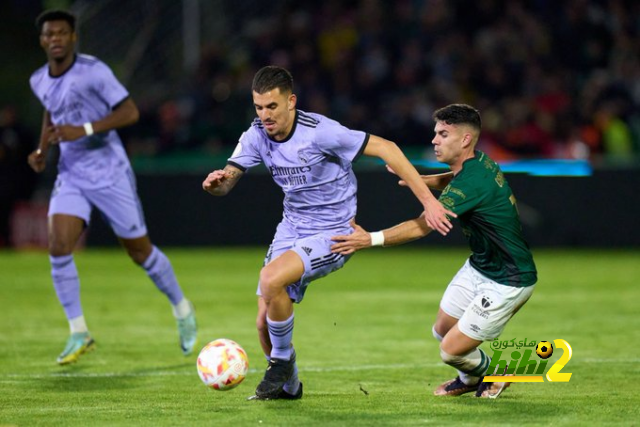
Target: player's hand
x,y
65,133
37,160
214,180
437,217
348,244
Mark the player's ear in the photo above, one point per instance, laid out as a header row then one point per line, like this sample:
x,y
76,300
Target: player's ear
x,y
466,140
293,99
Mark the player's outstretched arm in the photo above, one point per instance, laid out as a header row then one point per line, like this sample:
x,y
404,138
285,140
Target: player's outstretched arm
x,y
123,115
434,181
436,215
221,181
396,235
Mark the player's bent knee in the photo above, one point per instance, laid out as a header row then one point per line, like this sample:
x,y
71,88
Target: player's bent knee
x,y
138,254
58,248
269,285
139,257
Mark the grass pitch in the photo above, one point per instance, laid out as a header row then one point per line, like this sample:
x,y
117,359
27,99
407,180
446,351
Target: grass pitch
x,y
363,339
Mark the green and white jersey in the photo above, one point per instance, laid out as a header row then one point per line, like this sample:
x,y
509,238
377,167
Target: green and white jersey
x,y
486,207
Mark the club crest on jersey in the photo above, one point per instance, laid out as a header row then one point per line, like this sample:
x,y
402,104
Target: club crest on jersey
x,y
303,157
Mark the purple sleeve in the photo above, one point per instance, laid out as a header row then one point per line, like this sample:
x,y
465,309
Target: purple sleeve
x,y
107,85
339,141
246,154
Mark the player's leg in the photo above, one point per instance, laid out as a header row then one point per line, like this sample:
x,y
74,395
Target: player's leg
x,y
261,325
275,277
121,208
484,320
291,264
69,213
464,354
160,271
444,323
455,301
64,232
292,389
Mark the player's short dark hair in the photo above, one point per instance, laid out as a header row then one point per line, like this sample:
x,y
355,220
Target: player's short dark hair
x,y
56,15
456,114
272,77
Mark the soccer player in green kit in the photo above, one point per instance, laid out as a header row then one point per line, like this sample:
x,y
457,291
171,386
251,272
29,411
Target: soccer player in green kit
x,y
499,276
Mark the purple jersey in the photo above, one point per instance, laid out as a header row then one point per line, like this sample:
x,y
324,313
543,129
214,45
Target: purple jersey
x,y
312,166
86,92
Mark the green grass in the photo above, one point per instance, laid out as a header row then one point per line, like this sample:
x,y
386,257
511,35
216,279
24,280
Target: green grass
x,y
366,327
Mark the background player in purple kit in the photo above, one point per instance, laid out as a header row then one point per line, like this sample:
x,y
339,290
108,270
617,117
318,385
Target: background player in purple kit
x,y
84,104
309,156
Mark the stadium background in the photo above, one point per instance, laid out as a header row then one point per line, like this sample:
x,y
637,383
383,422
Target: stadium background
x,y
554,82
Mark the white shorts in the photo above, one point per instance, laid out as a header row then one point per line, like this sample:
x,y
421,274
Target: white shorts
x,y
119,205
482,306
315,252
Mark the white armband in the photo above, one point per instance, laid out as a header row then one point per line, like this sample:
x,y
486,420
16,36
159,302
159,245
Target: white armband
x,y
88,128
377,238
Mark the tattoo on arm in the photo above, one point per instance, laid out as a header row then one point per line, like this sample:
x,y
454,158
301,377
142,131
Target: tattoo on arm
x,y
233,175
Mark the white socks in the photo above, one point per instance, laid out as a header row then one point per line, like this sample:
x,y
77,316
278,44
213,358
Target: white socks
x,y
78,325
181,309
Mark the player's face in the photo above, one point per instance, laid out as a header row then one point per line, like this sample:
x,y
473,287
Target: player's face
x,y
57,39
276,112
448,142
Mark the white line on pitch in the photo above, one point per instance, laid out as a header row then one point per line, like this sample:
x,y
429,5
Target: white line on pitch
x,y
181,372
6,378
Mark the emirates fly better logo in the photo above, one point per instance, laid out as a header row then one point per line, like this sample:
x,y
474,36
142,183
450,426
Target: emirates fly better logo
x,y
523,366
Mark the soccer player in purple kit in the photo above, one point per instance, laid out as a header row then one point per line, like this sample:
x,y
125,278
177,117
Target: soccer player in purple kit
x,y
84,103
309,156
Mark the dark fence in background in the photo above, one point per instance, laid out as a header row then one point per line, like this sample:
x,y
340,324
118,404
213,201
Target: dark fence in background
x,y
602,210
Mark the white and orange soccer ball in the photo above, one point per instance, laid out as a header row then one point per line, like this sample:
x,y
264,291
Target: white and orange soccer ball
x,y
222,364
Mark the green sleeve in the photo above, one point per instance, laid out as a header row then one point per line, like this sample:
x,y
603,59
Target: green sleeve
x,y
460,197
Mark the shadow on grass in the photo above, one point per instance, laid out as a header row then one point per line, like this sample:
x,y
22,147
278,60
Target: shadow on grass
x,y
158,370
79,378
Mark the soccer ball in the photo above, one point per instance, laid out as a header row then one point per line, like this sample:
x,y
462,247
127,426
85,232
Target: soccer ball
x,y
222,364
544,349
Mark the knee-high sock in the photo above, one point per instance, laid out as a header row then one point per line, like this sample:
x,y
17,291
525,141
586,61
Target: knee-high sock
x,y
160,271
281,335
66,284
470,366
464,376
292,385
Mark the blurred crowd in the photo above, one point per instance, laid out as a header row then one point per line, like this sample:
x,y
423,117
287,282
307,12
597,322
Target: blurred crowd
x,y
551,79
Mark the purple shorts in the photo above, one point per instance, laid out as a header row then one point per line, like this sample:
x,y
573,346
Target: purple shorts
x,y
119,205
315,252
